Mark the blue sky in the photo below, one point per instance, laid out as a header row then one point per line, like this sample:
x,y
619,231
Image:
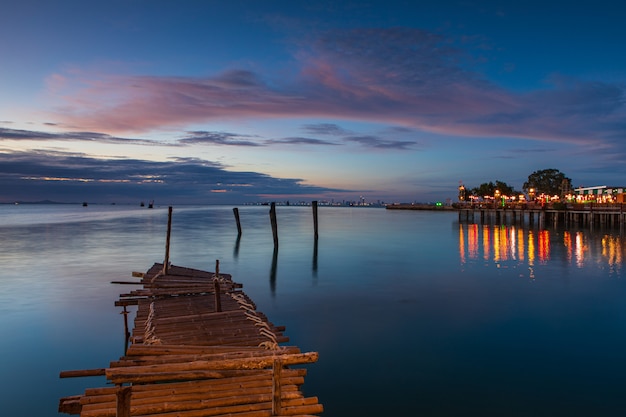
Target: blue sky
x,y
240,101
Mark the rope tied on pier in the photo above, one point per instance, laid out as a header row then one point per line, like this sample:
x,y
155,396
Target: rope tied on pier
x,y
221,281
149,336
264,328
220,278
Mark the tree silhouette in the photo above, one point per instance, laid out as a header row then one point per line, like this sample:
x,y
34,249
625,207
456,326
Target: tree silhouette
x,y
549,182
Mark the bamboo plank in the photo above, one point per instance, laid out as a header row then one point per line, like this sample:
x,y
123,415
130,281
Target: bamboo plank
x,y
161,359
82,373
168,406
254,408
226,364
164,349
290,384
291,393
70,405
303,409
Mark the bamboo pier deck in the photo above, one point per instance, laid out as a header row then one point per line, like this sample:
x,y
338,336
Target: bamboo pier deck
x,y
198,348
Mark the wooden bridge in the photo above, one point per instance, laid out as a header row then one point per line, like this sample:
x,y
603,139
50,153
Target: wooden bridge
x,y
198,348
586,215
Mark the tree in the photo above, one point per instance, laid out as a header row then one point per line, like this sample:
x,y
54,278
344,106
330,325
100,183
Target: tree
x,y
484,189
505,189
549,182
489,189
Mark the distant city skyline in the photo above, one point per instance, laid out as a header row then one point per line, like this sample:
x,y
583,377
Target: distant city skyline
x,y
231,102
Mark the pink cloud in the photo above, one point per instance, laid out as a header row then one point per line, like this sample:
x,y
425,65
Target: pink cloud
x,y
398,76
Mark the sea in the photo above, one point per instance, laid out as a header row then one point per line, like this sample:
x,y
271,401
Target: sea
x,y
413,313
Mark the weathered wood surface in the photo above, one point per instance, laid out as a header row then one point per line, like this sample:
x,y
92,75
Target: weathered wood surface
x,y
194,354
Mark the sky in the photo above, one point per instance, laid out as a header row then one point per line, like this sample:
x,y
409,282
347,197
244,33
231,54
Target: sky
x,y
227,102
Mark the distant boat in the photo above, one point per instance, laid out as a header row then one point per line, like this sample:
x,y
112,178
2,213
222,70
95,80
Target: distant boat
x,y
84,204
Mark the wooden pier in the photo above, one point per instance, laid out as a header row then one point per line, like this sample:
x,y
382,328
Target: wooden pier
x,y
198,348
583,215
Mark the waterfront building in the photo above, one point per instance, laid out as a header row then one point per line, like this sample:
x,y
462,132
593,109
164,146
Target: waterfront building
x,y
600,194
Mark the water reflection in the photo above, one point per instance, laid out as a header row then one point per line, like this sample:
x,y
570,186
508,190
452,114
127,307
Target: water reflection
x,y
315,258
236,249
508,243
273,271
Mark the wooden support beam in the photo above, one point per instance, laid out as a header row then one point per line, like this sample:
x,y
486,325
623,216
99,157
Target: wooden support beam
x,y
167,241
123,401
276,391
218,296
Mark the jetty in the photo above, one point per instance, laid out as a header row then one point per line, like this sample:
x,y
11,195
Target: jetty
x,y
198,347
568,215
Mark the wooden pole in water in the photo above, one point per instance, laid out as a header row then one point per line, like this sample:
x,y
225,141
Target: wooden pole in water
x,y
167,241
274,224
314,205
236,212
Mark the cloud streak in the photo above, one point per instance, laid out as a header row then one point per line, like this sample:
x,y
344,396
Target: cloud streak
x,y
217,138
399,76
301,141
17,134
329,129
379,143
74,177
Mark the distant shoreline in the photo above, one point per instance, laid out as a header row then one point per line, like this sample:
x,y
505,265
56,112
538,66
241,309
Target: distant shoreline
x,y
430,207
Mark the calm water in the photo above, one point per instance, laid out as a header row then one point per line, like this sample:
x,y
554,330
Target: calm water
x,y
411,312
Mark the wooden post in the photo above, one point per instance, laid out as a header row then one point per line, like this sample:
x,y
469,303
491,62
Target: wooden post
x,y
314,205
236,212
167,241
216,285
274,224
123,401
276,390
126,332
218,299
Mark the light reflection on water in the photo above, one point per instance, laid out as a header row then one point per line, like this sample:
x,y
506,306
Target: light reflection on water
x,y
514,244
411,312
